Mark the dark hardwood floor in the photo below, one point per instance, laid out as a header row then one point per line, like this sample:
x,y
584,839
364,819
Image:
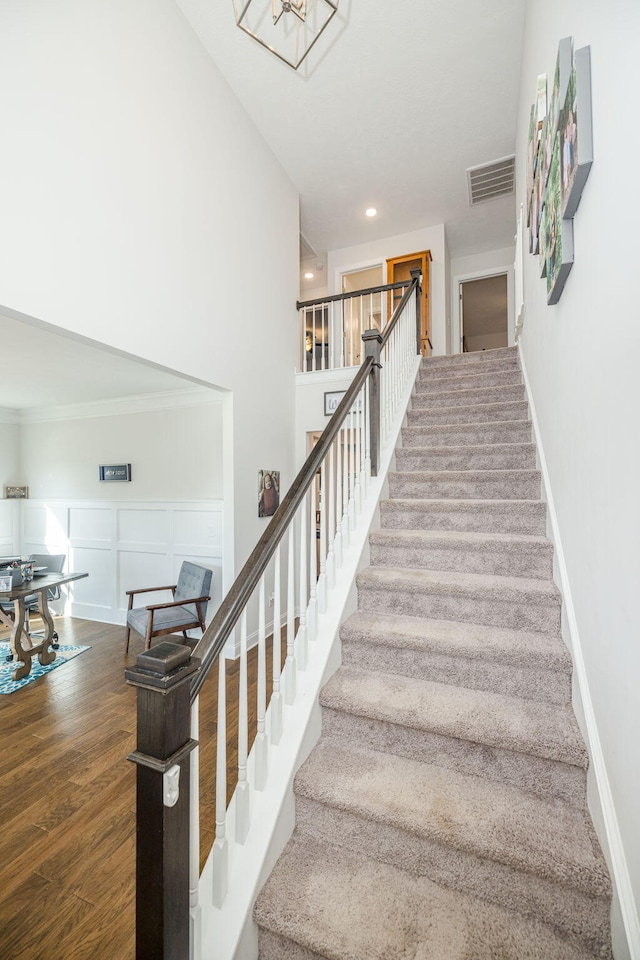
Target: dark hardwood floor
x,y
67,791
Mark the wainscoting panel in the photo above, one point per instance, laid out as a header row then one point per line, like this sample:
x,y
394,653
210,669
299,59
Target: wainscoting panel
x,y
9,528
122,546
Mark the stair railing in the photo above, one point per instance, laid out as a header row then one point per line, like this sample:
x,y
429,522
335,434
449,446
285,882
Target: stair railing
x,y
332,327
296,563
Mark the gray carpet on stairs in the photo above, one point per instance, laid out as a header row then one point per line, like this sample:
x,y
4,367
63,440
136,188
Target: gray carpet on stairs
x,y
442,815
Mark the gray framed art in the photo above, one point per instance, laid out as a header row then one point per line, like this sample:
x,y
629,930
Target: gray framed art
x,y
576,135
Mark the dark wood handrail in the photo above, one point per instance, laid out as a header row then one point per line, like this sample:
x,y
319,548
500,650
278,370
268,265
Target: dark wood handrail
x,y
228,614
348,296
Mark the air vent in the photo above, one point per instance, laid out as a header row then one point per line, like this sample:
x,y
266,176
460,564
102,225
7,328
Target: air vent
x,y
306,250
491,180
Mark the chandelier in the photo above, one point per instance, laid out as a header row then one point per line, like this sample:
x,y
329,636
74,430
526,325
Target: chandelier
x,y
288,28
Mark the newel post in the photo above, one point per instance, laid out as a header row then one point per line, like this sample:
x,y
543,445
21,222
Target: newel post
x,y
417,273
162,680
372,341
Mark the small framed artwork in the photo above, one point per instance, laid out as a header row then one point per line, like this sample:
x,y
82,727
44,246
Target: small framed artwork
x,y
115,472
268,492
576,137
16,493
558,241
332,402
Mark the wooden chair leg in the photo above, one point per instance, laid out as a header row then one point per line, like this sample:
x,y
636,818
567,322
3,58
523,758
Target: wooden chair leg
x,y
126,640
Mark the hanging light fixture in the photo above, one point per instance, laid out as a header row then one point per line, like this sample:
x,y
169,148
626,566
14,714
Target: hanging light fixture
x,y
288,28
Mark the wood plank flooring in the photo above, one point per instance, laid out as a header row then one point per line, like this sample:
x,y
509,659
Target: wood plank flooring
x,y
67,793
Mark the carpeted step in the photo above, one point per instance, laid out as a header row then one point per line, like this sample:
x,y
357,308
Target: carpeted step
x,y
517,603
476,356
496,554
490,516
533,746
465,484
535,666
487,839
510,393
323,903
450,384
491,456
462,434
469,412
433,373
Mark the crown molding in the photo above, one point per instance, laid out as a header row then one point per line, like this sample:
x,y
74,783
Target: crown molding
x,y
147,403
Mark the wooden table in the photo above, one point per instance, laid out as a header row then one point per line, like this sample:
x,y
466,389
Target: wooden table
x,y
22,647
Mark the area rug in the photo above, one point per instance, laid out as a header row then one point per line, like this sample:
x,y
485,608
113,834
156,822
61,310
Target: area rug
x,y
64,653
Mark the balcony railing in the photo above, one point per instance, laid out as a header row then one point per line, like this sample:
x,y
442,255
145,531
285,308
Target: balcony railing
x,y
332,327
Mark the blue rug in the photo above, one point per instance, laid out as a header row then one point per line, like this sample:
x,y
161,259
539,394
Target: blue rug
x,y
64,653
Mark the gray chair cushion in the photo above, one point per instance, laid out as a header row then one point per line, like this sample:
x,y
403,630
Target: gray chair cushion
x,y
173,618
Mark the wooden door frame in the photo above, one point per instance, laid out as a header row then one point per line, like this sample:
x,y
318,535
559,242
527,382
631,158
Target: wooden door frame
x,y
456,314
426,257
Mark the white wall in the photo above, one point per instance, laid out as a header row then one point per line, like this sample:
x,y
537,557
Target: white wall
x,y
310,391
175,454
132,184
9,449
482,265
377,251
582,360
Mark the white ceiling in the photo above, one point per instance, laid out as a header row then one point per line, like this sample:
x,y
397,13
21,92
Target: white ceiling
x,y
41,369
392,105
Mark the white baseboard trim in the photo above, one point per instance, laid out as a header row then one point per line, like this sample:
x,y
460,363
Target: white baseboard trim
x,y
618,861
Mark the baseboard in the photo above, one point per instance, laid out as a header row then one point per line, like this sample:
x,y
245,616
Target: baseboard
x,y
616,855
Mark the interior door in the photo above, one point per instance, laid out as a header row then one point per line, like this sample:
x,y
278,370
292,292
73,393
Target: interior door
x,y
398,270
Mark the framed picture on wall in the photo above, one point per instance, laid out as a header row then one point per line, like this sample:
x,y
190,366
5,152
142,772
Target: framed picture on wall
x,y
560,83
268,492
530,160
576,137
558,242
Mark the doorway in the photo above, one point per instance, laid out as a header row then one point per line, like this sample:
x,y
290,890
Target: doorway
x,y
484,313
399,271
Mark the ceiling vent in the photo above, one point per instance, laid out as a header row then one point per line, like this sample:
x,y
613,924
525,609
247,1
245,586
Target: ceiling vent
x,y
491,180
306,250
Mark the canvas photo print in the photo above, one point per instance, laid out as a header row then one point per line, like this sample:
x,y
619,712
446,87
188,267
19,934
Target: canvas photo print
x,y
576,141
268,492
558,241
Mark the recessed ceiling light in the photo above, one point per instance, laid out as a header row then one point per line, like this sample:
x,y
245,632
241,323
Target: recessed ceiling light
x,y
371,212
308,276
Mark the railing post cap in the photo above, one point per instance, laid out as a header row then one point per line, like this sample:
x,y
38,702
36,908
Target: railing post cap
x,y
372,334
162,666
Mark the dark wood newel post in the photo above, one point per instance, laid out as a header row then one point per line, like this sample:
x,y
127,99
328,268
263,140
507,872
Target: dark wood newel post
x,y
372,341
162,680
417,275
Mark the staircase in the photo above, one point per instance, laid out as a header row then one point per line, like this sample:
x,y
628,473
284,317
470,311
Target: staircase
x,y
442,815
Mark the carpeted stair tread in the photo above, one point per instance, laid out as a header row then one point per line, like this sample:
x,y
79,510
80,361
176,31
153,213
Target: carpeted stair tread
x,y
485,456
465,380
518,555
498,484
546,730
508,516
468,640
458,434
465,359
469,585
471,396
321,903
506,364
469,411
491,820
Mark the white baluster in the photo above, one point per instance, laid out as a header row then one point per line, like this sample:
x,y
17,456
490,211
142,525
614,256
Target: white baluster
x,y
312,610
261,743
343,350
352,472
195,910
220,853
276,696
322,579
367,432
344,432
242,789
357,489
313,338
290,666
337,546
302,650
362,416
330,568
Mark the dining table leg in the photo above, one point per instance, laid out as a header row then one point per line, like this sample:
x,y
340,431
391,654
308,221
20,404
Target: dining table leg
x,y
20,642
46,655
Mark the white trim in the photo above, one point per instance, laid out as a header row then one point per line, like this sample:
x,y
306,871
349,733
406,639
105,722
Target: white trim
x,y
357,268
618,861
456,320
149,402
